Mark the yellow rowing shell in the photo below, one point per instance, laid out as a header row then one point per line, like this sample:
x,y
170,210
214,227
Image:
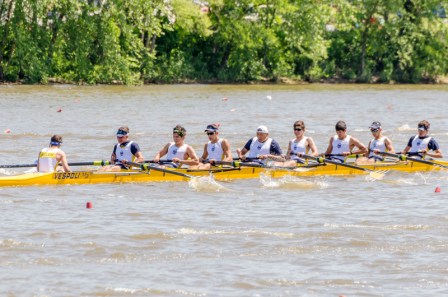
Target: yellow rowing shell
x,y
91,177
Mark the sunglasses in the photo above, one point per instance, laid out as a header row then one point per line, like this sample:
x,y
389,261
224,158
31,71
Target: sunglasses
x,y
210,133
422,127
297,129
374,130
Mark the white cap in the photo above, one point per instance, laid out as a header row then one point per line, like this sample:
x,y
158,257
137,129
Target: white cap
x,y
263,129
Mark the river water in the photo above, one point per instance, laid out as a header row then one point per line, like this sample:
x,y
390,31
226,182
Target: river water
x,y
322,236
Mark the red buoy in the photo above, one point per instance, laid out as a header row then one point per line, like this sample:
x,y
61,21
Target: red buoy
x,y
437,190
89,205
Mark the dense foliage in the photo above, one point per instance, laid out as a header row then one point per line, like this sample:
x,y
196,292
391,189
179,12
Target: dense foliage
x,y
134,41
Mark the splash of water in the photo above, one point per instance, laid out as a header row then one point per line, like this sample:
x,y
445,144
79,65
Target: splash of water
x,y
205,184
290,182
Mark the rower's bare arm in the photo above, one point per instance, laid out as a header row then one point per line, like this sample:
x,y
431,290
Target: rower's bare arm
x,y
241,153
406,150
226,150
161,153
330,147
313,147
190,157
435,154
361,147
64,162
139,157
389,145
204,154
369,151
288,152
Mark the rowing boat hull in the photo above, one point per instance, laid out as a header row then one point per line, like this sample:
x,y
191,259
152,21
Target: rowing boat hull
x,y
88,177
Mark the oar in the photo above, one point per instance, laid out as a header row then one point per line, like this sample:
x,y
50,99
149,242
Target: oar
x,y
375,174
347,156
92,163
405,158
237,163
147,167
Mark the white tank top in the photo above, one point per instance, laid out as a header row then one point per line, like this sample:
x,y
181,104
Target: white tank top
x,y
124,153
215,150
377,144
298,147
419,144
47,159
176,152
259,148
340,146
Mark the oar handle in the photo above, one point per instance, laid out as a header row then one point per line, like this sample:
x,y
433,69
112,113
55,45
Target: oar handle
x,y
92,163
158,162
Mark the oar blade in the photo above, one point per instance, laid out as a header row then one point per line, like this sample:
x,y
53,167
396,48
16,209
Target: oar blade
x,y
377,174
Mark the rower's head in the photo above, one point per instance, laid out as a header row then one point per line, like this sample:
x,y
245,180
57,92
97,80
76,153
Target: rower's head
x,y
179,133
122,134
376,129
423,127
212,131
56,140
299,128
341,129
262,133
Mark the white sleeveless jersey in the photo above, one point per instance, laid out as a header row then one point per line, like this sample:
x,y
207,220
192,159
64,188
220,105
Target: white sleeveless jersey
x,y
215,150
419,144
377,144
298,147
259,148
176,152
340,146
124,153
47,159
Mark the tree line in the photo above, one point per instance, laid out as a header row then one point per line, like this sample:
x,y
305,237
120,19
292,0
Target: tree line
x,y
169,41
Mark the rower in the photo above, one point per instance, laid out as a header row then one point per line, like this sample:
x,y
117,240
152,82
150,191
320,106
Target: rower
x,y
378,144
341,145
50,157
299,146
177,152
261,148
421,144
216,149
123,152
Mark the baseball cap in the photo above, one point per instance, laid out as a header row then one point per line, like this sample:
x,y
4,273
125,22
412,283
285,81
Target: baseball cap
x,y
262,129
212,128
121,133
375,125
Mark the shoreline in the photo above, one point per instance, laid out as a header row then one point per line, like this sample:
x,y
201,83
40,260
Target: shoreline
x,y
441,81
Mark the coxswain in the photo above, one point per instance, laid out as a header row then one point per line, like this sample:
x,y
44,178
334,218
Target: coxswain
x,y
51,156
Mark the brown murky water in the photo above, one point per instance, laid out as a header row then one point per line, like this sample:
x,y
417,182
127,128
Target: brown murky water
x,y
325,236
